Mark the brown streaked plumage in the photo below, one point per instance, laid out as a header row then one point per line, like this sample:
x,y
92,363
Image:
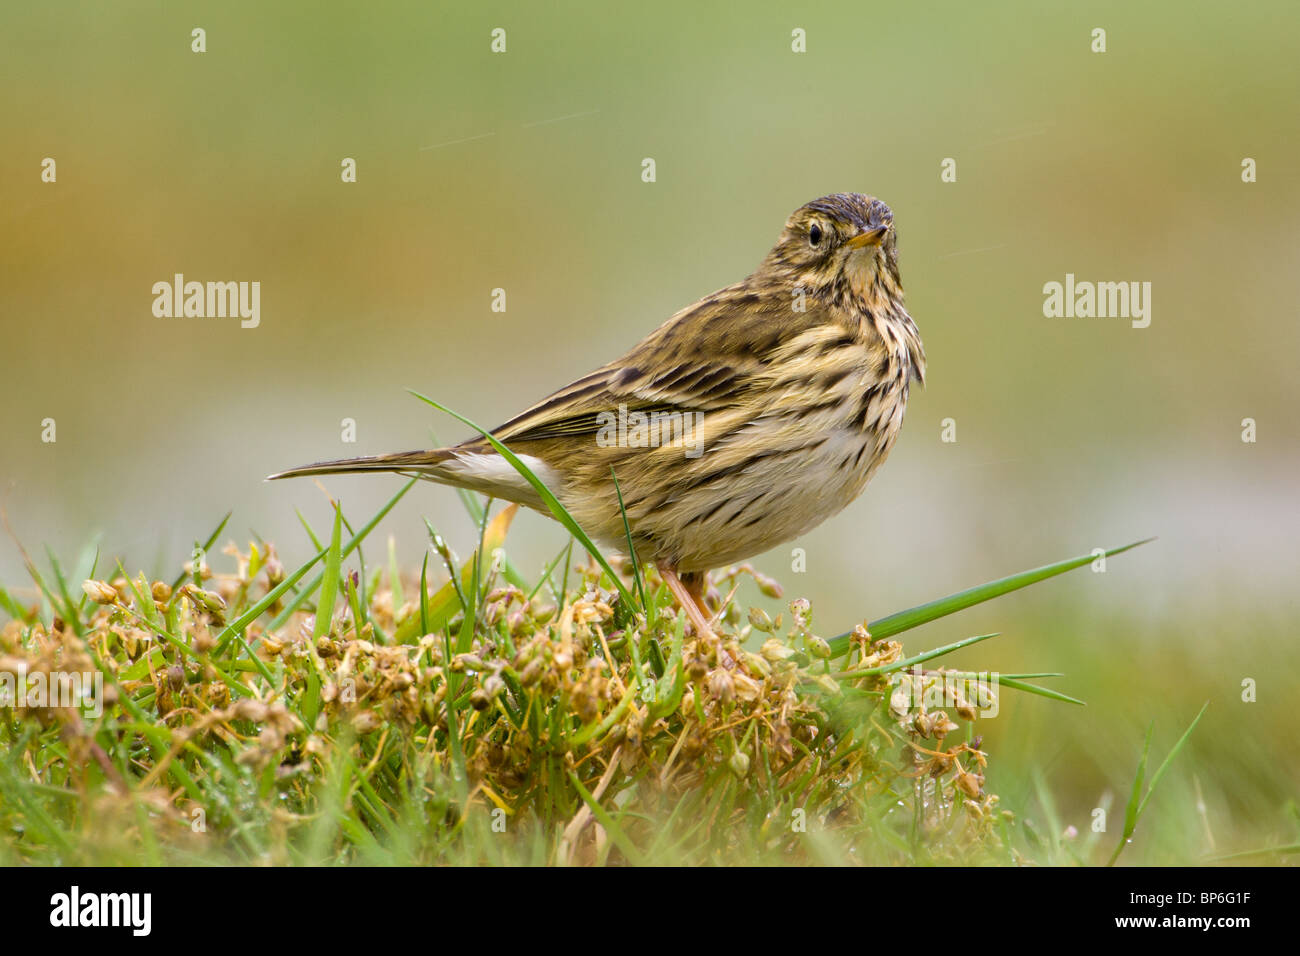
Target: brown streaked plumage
x,y
797,377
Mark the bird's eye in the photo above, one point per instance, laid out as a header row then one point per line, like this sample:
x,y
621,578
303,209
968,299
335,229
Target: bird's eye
x,y
814,234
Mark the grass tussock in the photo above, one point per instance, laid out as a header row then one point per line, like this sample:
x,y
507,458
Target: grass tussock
x,y
347,712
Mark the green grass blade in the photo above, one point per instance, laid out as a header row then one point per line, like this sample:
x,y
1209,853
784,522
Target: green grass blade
x,y
12,607
71,609
1137,802
1031,676
357,604
548,497
1047,692
13,789
1160,771
353,543
631,551
206,546
1135,797
329,586
611,827
424,591
236,627
546,571
306,526
918,659
1262,851
1018,682
924,613
394,576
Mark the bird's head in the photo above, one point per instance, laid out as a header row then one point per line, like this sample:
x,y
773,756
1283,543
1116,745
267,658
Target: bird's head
x,y
842,247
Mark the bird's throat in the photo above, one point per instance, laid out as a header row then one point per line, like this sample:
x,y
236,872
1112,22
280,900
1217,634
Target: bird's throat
x,y
868,288
876,298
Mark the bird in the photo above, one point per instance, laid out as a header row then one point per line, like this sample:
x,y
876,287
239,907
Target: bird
x,y
745,420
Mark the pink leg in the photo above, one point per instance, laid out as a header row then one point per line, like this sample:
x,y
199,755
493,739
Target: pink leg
x,y
690,595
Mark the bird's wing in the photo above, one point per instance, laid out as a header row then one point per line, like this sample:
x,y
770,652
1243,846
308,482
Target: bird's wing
x,y
703,359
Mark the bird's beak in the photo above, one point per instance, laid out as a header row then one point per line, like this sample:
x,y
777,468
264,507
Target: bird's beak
x,y
872,237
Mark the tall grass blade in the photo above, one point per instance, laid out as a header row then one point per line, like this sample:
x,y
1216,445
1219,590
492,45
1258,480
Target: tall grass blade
x,y
1137,801
924,613
205,547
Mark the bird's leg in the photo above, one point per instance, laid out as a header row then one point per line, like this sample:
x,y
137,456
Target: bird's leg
x,y
696,584
689,591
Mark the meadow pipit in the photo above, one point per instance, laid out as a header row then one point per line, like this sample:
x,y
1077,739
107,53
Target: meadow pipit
x,y
743,421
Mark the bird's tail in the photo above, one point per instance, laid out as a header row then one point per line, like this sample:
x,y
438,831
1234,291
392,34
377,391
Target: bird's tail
x,y
426,464
462,467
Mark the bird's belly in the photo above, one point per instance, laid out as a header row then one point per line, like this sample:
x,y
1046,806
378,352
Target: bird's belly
x,y
778,500
761,481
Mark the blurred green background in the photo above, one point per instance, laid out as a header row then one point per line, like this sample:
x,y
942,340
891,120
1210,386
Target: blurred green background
x,y
523,171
